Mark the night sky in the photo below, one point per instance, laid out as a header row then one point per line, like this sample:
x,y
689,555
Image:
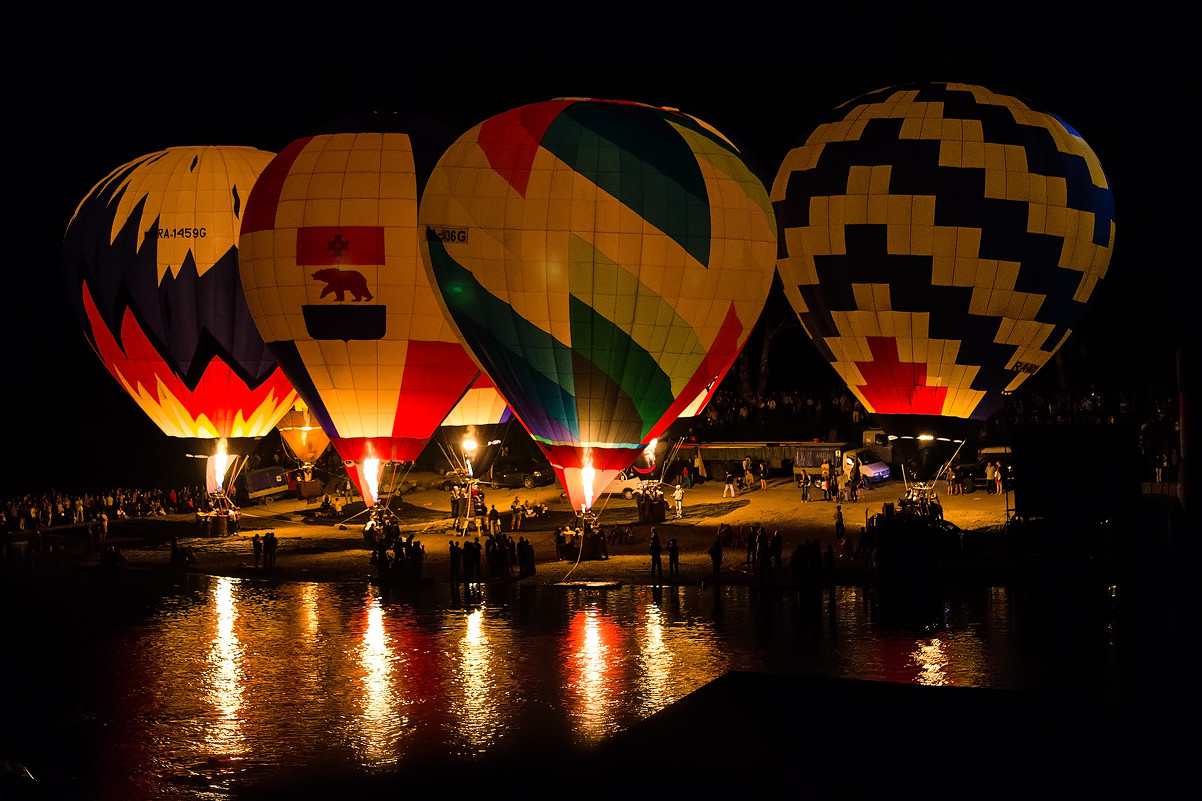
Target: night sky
x,y
93,90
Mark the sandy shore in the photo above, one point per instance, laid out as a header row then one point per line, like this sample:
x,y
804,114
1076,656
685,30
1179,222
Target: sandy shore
x,y
311,551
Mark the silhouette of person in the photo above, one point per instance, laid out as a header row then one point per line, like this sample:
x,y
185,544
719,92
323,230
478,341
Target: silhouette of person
x,y
657,565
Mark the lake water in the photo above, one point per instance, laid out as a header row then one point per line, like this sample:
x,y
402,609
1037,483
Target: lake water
x,y
201,686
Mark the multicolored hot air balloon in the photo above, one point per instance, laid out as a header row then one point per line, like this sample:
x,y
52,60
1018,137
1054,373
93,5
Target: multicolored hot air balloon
x,y
151,262
604,262
331,271
938,242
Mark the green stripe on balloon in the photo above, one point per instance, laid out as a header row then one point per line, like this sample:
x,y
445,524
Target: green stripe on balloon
x,y
728,162
533,370
650,322
631,368
632,153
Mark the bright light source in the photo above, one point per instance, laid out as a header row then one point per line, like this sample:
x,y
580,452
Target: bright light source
x,y
371,477
469,445
649,452
587,475
220,463
926,437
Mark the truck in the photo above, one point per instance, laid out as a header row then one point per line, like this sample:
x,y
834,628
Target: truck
x,y
264,484
786,457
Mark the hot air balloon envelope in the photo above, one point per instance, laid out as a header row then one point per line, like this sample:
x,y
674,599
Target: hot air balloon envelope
x,y
938,242
151,262
335,284
604,262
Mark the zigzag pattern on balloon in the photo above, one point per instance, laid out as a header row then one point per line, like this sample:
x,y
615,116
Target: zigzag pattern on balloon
x,y
944,227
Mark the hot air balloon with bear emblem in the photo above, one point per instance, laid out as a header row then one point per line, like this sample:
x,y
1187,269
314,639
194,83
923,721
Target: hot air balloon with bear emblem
x,y
938,242
604,262
332,274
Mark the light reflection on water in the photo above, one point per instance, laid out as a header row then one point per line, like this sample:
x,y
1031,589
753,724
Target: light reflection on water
x,y
237,680
379,719
223,679
475,707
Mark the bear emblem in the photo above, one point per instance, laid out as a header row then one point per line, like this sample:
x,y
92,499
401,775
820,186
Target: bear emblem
x,y
339,282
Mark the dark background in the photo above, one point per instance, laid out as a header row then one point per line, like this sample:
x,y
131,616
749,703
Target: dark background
x,y
94,88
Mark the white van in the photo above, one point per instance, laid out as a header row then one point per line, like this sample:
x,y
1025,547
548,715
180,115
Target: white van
x,y
629,483
871,467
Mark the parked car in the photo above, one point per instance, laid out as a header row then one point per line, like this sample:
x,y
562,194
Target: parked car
x,y
871,467
628,484
526,471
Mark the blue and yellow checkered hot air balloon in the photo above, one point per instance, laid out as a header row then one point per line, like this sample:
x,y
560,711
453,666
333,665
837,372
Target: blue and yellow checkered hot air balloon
x,y
938,242
605,262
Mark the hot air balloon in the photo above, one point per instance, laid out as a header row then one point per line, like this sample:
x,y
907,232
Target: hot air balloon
x,y
938,242
481,405
604,262
331,271
473,434
301,432
151,262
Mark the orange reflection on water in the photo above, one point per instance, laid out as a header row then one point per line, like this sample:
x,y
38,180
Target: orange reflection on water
x,y
931,659
476,702
595,684
223,675
655,679
308,610
379,721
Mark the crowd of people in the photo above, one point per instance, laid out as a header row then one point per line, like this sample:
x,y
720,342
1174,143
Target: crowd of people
x,y
503,556
1152,411
398,559
53,508
805,415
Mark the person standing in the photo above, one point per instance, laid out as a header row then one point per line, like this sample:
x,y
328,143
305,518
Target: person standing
x,y
990,478
657,565
805,482
730,485
678,496
764,557
763,475
270,544
997,474
839,524
456,554
673,559
494,520
715,553
257,544
826,477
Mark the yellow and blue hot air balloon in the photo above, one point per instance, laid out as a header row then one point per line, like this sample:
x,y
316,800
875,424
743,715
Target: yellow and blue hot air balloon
x,y
939,241
604,262
151,262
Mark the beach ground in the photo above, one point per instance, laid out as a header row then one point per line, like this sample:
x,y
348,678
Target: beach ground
x,y
335,551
